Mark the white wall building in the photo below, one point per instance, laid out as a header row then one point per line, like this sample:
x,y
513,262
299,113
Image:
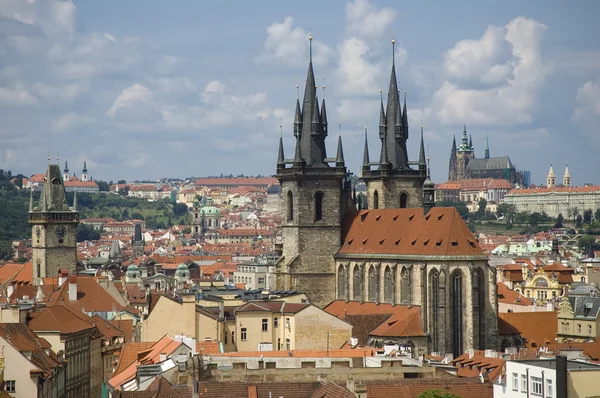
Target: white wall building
x,y
555,200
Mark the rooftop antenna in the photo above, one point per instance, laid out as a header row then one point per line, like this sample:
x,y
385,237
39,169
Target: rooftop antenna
x,y
57,158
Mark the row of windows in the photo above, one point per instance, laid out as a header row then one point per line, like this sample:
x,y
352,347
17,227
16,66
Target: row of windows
x,y
403,200
537,385
565,328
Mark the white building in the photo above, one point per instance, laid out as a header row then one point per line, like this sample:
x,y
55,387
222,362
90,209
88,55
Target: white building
x,y
255,276
556,200
548,378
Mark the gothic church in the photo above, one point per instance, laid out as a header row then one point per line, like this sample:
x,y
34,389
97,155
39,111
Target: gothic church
x,y
400,250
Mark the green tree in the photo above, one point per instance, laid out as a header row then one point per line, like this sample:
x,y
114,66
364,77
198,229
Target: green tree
x,y
121,182
103,186
462,208
6,250
180,209
559,221
482,204
507,211
437,394
86,232
587,216
578,220
597,215
534,219
575,212
124,191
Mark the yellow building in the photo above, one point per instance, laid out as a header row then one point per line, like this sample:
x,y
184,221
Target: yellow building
x,y
277,325
547,283
578,319
171,317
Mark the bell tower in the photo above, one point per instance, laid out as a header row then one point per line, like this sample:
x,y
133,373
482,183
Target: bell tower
x,y
53,225
315,197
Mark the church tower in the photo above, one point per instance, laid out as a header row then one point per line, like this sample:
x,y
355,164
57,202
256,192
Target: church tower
x,y
393,183
137,241
551,179
66,172
567,178
53,225
84,172
315,198
452,172
464,154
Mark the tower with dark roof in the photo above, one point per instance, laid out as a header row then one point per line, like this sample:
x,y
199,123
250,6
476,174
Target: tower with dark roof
x,y
53,223
137,241
84,172
316,196
66,172
393,182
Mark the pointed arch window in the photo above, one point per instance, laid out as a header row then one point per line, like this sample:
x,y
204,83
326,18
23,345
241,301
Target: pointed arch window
x,y
479,307
388,285
456,295
357,283
406,286
290,206
318,206
373,284
376,200
403,200
342,283
435,305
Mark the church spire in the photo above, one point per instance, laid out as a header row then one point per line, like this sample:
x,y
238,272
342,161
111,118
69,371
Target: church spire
x,y
75,201
470,141
366,160
382,122
280,157
422,164
487,147
298,118
405,118
84,167
339,159
31,201
324,115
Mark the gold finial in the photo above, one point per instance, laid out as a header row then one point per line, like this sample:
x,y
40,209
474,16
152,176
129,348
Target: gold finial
x,y
365,127
310,43
323,91
48,157
421,123
340,126
310,34
393,37
297,92
280,128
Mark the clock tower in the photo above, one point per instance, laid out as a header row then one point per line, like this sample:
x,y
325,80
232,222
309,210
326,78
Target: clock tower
x,y
53,224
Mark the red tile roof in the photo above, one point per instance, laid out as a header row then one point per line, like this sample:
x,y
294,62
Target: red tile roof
x,y
408,232
59,318
508,296
538,328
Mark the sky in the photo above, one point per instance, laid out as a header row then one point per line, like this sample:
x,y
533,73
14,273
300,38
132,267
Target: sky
x,y
147,90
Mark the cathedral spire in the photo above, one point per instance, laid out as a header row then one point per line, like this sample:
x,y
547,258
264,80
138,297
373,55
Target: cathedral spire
x,y
31,201
280,157
339,159
298,119
366,153
471,141
324,115
422,164
382,122
405,118
487,147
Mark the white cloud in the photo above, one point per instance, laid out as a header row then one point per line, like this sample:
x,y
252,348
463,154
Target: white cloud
x,y
587,109
515,78
69,120
17,96
290,45
355,73
66,92
366,20
130,98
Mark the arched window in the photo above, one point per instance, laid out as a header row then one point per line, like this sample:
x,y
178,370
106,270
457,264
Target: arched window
x,y
357,282
196,229
341,283
195,215
373,284
403,200
318,206
479,308
406,286
457,313
435,305
39,270
376,200
388,285
290,206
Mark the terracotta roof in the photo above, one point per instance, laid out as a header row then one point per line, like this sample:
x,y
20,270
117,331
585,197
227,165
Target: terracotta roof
x,y
60,318
508,296
124,325
465,388
450,185
408,232
129,355
588,189
331,390
538,328
291,389
208,347
91,297
272,306
341,353
106,328
237,181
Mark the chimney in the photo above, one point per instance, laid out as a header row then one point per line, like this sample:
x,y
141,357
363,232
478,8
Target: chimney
x,y
63,275
73,288
9,290
163,356
561,376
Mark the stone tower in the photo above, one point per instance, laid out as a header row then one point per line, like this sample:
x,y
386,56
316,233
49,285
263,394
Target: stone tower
x,y
452,172
551,179
464,154
66,172
84,172
137,241
53,225
315,197
567,178
393,183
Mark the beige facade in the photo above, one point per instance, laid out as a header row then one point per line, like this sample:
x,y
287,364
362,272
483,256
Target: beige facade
x,y
541,287
579,324
25,382
583,383
170,317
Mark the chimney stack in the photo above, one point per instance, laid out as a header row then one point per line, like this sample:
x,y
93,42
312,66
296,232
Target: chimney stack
x,y
561,376
63,275
73,288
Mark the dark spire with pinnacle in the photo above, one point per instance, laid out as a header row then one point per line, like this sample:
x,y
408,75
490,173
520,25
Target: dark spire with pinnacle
x,y
31,201
453,144
84,167
405,118
428,190
339,159
280,156
422,163
298,120
487,147
452,163
471,141
66,168
324,117
366,160
382,122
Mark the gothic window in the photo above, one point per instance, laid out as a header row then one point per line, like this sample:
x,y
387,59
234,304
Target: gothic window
x,y
406,286
357,282
290,206
39,270
479,307
376,200
403,200
373,284
196,229
341,283
388,285
457,313
318,206
195,215
435,305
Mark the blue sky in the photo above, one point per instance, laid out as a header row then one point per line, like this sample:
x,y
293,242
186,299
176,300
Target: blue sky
x,y
144,90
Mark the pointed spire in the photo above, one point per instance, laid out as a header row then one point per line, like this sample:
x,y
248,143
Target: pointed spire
x,y
324,116
298,119
339,159
405,117
428,190
470,141
84,167
316,118
453,143
66,167
366,160
31,201
382,121
487,147
280,157
297,154
422,164
75,201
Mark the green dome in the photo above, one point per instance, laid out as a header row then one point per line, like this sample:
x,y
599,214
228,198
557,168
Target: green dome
x,y
133,267
209,210
428,184
182,266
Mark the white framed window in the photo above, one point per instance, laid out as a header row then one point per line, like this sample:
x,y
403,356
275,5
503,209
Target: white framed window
x,y
265,325
10,386
515,382
244,334
523,383
549,390
537,386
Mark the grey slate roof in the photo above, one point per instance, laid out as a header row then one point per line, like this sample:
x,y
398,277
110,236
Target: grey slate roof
x,y
499,163
585,307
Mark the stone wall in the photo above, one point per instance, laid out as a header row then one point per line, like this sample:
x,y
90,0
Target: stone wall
x,y
390,189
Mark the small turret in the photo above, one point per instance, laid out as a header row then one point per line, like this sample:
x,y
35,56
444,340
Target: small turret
x,y
487,147
567,178
366,160
31,201
422,164
551,179
428,189
324,117
66,172
316,119
84,172
339,159
382,122
298,120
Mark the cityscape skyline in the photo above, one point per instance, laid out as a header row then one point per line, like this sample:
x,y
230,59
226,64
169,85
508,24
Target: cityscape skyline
x,y
139,102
